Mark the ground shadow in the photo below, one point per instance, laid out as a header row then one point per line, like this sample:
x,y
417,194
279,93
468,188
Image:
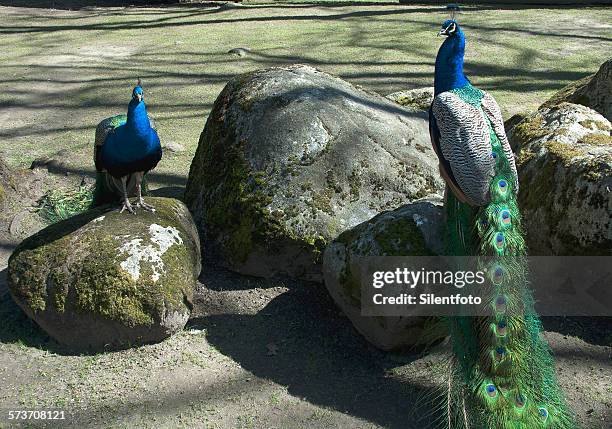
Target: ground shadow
x,y
302,341
169,192
15,326
593,330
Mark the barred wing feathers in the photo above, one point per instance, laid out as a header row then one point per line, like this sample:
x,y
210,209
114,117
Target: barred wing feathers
x,y
464,143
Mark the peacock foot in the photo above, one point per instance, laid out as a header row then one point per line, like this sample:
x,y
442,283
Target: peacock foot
x,y
141,204
127,207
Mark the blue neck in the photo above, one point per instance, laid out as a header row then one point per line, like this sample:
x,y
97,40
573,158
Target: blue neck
x,y
449,64
137,119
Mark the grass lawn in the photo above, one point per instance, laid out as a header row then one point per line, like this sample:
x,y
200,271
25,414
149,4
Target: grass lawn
x,y
63,71
257,353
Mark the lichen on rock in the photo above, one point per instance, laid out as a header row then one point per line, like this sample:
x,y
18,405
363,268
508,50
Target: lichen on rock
x,y
107,279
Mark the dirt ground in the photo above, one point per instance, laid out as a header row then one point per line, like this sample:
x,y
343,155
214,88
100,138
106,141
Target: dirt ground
x,y
259,354
256,353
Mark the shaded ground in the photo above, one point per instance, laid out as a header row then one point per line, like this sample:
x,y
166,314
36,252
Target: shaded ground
x,y
257,354
264,354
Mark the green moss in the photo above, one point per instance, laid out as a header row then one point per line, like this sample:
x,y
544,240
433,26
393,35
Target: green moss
x,y
596,139
64,260
597,168
331,181
417,102
524,156
541,180
322,201
550,189
527,130
104,289
28,276
402,237
57,288
354,185
2,194
563,152
234,197
595,125
514,119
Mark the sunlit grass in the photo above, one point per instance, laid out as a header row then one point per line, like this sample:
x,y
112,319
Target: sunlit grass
x,y
64,71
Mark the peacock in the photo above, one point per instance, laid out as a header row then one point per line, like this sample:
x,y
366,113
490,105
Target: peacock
x,y
126,148
502,373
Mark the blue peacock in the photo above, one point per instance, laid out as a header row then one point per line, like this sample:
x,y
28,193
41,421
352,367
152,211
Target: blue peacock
x,y
502,375
127,147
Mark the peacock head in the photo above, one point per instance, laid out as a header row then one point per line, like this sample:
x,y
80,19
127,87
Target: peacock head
x,y
137,93
450,28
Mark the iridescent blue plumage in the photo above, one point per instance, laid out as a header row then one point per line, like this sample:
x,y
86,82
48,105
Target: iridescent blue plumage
x,y
133,146
449,62
127,147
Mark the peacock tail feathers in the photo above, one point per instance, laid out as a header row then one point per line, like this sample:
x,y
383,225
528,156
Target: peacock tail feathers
x,y
503,373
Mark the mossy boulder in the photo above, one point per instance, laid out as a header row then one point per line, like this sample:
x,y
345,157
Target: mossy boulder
x,y
412,230
104,279
419,98
564,160
593,91
290,157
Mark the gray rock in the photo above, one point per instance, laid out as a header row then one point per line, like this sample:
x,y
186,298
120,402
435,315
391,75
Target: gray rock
x,y
290,157
593,91
241,52
420,98
413,229
565,169
104,279
174,147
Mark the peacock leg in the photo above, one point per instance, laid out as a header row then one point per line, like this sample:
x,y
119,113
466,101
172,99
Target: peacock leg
x,y
126,202
141,201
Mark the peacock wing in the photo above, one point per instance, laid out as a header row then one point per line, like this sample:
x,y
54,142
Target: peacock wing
x,y
464,145
103,129
493,112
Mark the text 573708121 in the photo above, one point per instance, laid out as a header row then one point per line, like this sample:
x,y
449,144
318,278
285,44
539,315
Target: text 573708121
x,y
36,415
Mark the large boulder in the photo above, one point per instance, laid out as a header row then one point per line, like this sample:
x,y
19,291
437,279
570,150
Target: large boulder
x,y
104,279
290,157
564,162
593,91
412,230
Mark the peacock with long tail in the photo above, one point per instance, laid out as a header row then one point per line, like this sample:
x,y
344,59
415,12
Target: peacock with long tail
x,y
127,147
502,373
